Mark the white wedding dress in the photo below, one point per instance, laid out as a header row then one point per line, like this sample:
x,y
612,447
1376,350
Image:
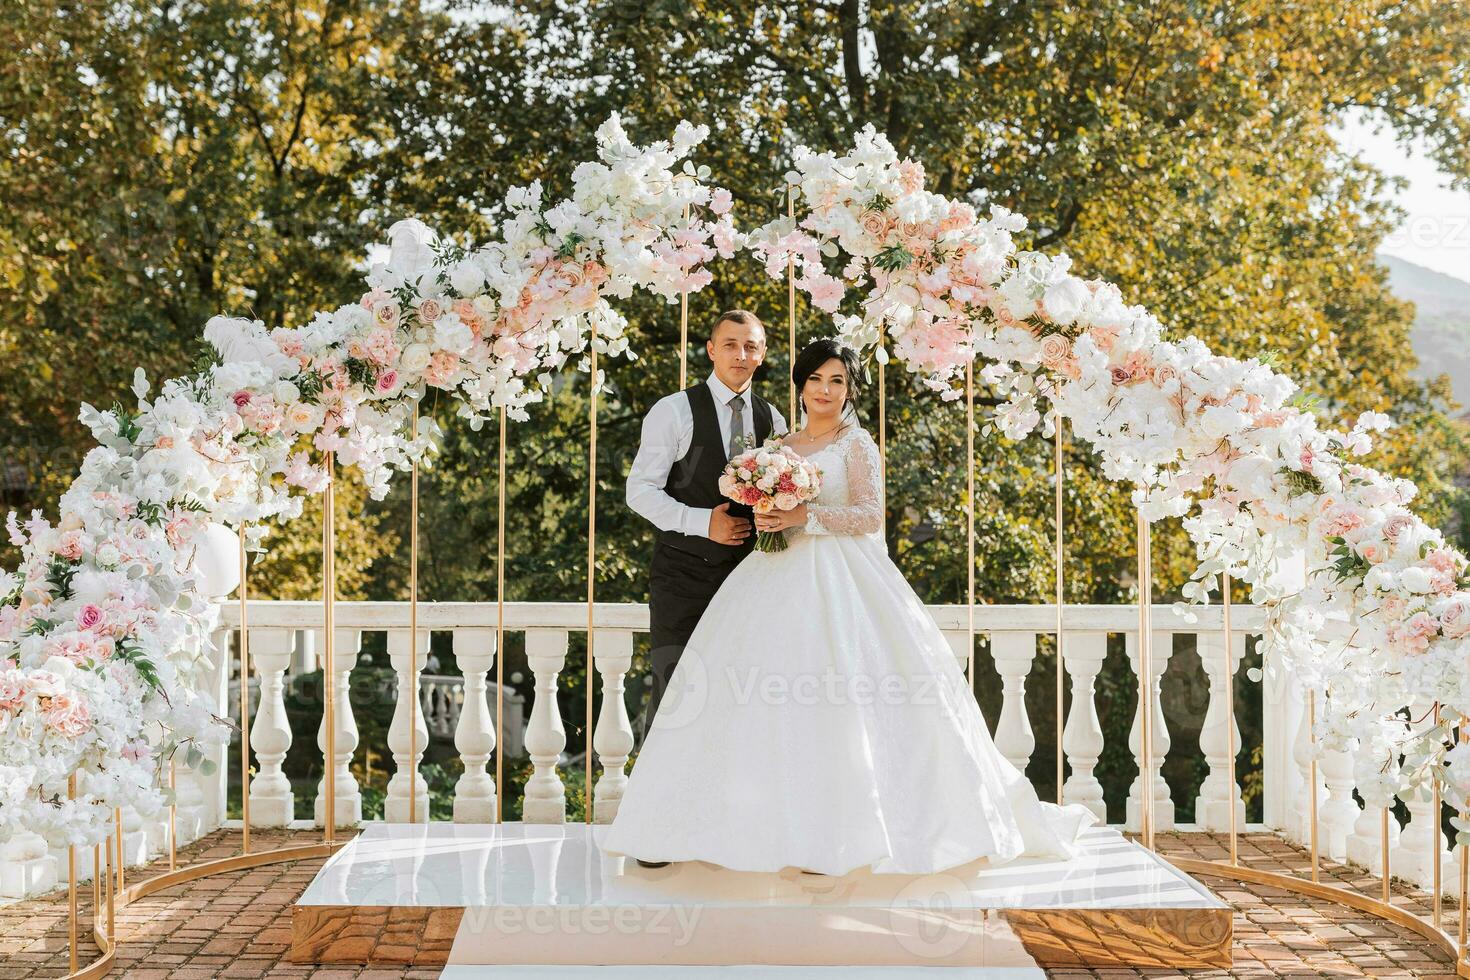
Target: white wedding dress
x,y
818,719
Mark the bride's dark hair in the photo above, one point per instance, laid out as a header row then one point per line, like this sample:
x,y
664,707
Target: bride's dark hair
x,y
819,352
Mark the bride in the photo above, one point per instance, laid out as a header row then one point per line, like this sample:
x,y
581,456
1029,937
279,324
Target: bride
x,y
817,718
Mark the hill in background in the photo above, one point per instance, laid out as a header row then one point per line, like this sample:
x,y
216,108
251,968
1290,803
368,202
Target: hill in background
x,y
1441,333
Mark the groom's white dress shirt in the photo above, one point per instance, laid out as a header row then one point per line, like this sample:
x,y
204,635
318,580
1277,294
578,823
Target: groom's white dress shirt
x,y
667,431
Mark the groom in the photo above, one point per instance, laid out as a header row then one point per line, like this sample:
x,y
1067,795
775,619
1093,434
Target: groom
x,y
674,483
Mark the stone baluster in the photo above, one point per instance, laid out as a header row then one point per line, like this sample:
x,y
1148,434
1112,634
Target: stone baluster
x,y
1419,840
474,735
1339,808
1163,806
1299,828
201,798
347,802
1365,843
956,640
545,796
1013,653
1082,738
1422,840
1219,735
272,804
407,748
141,839
27,866
613,738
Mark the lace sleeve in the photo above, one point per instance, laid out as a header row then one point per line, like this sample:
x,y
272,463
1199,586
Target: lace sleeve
x,y
863,513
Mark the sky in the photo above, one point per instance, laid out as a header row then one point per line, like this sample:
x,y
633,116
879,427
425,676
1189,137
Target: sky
x,y
1436,231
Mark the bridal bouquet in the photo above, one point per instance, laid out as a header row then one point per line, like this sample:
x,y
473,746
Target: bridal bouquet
x,y
772,477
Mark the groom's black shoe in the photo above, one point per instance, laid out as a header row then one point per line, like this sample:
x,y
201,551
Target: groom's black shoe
x,y
806,872
651,864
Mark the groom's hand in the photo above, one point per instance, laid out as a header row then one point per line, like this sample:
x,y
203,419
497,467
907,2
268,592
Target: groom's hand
x,y
724,529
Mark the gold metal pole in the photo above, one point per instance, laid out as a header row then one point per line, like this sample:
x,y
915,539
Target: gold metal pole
x,y
1464,871
791,313
683,326
970,520
1437,902
591,567
1230,720
1312,789
118,836
1059,561
244,697
882,428
500,630
413,632
96,881
173,814
329,648
71,878
111,899
1145,683
1383,842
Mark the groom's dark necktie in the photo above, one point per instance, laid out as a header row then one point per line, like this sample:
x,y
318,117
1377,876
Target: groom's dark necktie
x,y
737,426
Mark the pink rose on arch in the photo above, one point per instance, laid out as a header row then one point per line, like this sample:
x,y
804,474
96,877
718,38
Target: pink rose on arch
x,y
1120,374
12,689
76,647
1442,560
1104,337
1396,525
241,398
1054,349
960,216
70,546
874,223
1417,631
443,366
911,176
1342,519
387,382
386,313
1394,607
430,309
90,617
67,714
1454,620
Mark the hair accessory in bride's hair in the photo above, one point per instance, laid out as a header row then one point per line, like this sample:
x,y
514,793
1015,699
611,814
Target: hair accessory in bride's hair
x,y
843,343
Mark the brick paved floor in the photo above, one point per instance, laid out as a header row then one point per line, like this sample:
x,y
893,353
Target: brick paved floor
x,y
239,925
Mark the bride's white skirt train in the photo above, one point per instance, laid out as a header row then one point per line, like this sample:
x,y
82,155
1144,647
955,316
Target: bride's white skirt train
x,y
818,719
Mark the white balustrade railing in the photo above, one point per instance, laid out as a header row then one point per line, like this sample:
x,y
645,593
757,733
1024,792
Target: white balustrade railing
x,y
461,709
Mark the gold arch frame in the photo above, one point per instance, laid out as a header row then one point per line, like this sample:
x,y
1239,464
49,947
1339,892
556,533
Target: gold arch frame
x,y
111,885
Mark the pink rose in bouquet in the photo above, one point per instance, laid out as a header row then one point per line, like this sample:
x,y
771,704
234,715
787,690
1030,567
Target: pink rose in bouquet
x,y
772,477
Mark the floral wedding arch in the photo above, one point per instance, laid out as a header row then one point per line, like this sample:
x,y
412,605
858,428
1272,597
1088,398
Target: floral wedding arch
x,y
108,618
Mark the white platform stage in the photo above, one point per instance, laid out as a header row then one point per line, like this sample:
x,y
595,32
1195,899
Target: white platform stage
x,y
534,894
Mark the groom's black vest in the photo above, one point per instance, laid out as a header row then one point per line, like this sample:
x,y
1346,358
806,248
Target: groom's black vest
x,y
695,479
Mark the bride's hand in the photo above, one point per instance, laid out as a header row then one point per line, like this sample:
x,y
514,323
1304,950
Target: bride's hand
x,y
780,520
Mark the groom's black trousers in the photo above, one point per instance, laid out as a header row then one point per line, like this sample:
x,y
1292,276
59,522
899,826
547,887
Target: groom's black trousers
x,y
680,587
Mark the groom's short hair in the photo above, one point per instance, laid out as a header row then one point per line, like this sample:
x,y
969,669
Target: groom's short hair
x,y
735,316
